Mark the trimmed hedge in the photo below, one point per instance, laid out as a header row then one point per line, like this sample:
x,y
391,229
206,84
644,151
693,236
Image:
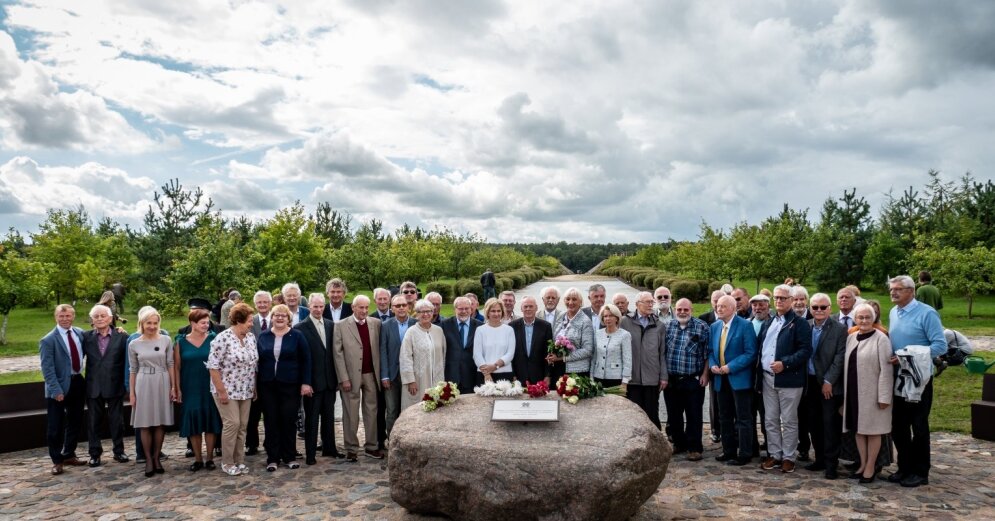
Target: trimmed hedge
x,y
464,286
446,289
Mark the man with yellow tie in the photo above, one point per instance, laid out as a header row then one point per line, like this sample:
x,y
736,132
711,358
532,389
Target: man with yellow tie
x,y
732,359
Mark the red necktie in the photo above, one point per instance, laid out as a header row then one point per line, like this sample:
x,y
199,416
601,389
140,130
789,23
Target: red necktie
x,y
72,351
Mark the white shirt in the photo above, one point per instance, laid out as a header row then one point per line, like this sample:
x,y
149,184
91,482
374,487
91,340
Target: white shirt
x,y
551,316
336,312
295,317
491,344
770,343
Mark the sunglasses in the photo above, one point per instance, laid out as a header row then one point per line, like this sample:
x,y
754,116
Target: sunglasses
x,y
663,297
819,308
409,292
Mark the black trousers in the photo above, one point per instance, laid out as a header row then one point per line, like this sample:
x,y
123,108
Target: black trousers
x,y
910,432
713,411
609,382
319,410
252,429
758,417
806,429
111,409
280,402
826,423
736,418
381,419
685,396
64,421
647,397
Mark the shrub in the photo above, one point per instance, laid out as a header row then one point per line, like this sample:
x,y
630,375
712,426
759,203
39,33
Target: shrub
x,y
712,286
446,289
464,286
505,284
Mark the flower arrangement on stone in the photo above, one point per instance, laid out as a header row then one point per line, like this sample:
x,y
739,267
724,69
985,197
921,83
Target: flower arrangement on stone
x,y
573,388
500,388
537,390
560,346
445,393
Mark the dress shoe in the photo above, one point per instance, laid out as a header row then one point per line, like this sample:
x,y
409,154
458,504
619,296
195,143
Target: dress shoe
x,y
73,462
375,453
694,456
803,456
94,462
209,465
865,480
787,466
715,438
57,469
770,463
832,474
725,457
311,461
914,480
197,465
333,454
252,451
121,458
816,466
852,466
897,477
738,462
188,453
351,456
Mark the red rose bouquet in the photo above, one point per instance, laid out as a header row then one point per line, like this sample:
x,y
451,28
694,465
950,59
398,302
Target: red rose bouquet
x,y
536,390
573,388
445,393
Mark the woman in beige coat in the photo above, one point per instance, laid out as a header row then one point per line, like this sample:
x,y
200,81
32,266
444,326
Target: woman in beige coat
x,y
867,383
423,355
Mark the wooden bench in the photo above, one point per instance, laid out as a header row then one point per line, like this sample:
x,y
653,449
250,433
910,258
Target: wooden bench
x,y
24,418
983,411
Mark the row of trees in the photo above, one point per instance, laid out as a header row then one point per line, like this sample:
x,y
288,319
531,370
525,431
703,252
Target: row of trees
x,y
946,227
186,248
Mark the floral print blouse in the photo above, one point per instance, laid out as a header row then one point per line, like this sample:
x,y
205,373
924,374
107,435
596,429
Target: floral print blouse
x,y
237,361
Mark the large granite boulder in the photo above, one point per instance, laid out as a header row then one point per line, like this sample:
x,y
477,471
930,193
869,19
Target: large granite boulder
x,y
602,460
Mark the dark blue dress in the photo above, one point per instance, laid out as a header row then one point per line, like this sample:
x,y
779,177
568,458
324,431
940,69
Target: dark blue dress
x,y
198,413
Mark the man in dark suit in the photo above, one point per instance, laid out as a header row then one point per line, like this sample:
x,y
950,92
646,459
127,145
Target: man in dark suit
x,y
337,307
436,299
824,391
459,331
61,353
261,321
532,337
319,408
391,335
381,297
105,351
785,349
732,359
596,295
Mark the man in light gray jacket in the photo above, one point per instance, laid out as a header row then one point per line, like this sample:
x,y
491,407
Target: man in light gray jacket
x,y
649,363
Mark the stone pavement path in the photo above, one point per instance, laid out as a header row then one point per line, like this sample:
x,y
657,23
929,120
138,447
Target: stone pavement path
x,y
962,487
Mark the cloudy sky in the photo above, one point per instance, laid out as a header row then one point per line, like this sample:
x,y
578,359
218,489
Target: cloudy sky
x,y
522,121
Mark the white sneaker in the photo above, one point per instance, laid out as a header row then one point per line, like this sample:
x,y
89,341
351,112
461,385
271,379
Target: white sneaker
x,y
242,468
231,470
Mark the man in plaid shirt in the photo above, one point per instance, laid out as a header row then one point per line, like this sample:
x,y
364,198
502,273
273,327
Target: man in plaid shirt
x,y
687,363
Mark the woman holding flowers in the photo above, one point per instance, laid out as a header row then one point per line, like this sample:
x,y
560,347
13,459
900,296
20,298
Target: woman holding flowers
x,y
579,330
612,361
494,345
423,356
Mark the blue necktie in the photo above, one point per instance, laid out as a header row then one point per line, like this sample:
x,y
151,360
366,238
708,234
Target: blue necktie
x,y
462,334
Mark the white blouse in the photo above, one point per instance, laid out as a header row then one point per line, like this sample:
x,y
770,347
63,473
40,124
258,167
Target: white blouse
x,y
493,343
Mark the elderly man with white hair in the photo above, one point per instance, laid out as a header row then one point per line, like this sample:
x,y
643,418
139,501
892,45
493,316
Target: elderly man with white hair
x,y
786,347
732,357
824,389
550,300
382,299
459,332
435,299
292,297
649,364
104,351
356,341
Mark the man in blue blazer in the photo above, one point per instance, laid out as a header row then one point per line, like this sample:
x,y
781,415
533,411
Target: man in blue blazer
x,y
532,337
61,352
785,349
732,357
391,335
459,330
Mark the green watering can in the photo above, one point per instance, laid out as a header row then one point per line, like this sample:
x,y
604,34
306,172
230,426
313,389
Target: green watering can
x,y
976,365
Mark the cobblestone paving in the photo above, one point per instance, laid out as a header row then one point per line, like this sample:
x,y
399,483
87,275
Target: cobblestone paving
x,y
962,486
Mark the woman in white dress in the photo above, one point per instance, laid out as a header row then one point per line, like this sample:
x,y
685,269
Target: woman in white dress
x,y
494,345
423,355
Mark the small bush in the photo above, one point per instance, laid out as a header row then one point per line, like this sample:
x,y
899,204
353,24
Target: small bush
x,y
446,289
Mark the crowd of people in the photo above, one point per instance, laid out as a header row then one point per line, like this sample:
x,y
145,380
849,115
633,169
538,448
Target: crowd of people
x,y
816,377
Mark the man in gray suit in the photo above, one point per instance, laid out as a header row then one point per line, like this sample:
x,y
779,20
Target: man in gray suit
x,y
105,351
596,296
61,353
320,406
391,334
824,392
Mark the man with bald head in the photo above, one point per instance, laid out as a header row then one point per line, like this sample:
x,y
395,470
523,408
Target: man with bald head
x,y
621,302
687,370
356,341
742,302
732,357
532,337
845,300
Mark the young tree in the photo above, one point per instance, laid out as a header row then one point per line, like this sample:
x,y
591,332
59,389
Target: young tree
x,y
65,241
22,281
212,262
844,235
962,272
288,249
334,226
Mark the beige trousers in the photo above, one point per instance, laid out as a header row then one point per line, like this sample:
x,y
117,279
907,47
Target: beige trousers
x,y
365,394
234,419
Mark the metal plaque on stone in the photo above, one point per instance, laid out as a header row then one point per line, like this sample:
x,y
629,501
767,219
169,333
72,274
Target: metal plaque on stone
x,y
526,411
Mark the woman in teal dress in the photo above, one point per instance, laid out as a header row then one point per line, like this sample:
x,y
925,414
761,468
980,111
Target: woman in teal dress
x,y
199,418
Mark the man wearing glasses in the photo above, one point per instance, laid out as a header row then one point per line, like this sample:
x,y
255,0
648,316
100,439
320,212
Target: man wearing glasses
x,y
410,292
912,323
662,298
742,302
824,392
391,335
